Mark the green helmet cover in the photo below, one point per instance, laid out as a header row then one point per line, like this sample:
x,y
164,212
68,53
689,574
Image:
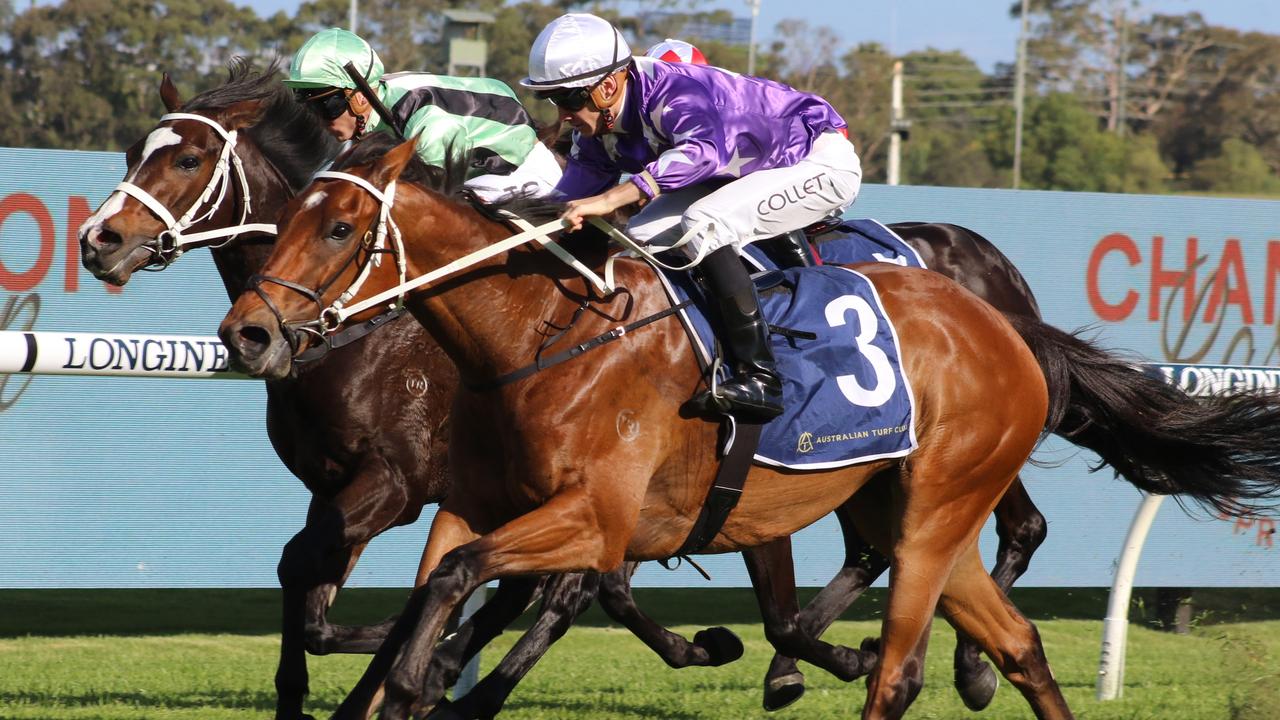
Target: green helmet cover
x,y
320,60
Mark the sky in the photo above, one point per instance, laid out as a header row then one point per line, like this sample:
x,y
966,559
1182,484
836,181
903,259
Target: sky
x,y
981,29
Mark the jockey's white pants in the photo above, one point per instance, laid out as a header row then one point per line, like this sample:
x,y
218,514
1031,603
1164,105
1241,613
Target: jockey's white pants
x,y
760,205
536,177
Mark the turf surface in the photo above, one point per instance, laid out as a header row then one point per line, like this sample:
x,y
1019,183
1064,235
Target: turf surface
x,y
199,654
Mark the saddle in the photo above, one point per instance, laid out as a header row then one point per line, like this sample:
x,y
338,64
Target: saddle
x,y
836,241
816,432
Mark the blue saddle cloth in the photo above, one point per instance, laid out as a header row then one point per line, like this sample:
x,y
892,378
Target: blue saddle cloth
x,y
846,399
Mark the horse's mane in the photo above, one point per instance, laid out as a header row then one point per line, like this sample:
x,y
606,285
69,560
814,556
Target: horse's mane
x,y
446,181
291,137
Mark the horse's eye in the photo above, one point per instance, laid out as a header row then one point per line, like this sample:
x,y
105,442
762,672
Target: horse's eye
x,y
340,231
188,162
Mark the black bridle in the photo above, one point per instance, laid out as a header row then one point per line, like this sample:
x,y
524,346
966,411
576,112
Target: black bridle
x,y
297,332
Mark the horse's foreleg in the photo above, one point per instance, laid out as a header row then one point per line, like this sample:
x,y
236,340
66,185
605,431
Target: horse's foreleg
x,y
509,601
773,578
305,599
323,637
559,536
1021,529
375,500
448,531
784,683
711,647
313,567
975,605
308,585
566,597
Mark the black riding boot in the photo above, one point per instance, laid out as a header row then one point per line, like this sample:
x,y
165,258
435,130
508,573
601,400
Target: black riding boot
x,y
754,393
791,250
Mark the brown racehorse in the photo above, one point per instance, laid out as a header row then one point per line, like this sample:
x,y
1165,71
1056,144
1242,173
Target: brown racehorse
x,y
325,421
358,494
545,482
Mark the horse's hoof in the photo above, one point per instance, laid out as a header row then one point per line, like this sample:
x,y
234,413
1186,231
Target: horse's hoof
x,y
781,691
721,644
870,649
978,688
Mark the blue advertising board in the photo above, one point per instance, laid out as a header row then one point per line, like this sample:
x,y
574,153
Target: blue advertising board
x,y
127,482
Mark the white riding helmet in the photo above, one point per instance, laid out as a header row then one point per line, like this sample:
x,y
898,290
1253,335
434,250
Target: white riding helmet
x,y
575,50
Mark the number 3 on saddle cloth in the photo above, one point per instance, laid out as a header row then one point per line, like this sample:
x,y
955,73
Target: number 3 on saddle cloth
x,y
845,398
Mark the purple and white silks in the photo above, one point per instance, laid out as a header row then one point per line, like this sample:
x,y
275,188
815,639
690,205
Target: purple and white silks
x,y
687,124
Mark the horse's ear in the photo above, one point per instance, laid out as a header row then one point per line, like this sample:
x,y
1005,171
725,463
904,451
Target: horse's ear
x,y
169,94
394,162
243,114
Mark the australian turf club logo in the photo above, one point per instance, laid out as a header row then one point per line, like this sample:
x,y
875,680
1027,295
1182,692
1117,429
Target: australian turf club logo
x,y
805,443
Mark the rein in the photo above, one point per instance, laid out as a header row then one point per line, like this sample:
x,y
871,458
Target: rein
x,y
294,329
328,336
539,364
174,241
332,317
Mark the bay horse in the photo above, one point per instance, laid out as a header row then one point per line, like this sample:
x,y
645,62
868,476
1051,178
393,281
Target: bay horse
x,y
360,490
324,421
546,483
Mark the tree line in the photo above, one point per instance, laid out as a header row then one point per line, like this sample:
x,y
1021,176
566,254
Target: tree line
x,y
1116,101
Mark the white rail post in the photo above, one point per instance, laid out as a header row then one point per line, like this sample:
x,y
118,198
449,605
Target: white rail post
x,y
471,673
1115,627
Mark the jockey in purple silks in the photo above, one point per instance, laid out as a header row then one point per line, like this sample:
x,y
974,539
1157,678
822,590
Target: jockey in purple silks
x,y
720,158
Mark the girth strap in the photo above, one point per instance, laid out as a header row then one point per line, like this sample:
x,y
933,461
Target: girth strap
x,y
723,496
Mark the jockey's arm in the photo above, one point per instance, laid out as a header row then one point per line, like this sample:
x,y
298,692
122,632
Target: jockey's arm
x,y
589,171
575,211
692,124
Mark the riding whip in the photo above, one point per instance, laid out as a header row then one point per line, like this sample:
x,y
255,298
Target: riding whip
x,y
363,86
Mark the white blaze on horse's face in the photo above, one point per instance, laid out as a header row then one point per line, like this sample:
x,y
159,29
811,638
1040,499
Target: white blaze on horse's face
x,y
160,137
314,199
113,204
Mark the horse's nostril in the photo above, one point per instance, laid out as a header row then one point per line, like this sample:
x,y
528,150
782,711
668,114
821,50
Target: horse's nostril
x,y
253,340
106,239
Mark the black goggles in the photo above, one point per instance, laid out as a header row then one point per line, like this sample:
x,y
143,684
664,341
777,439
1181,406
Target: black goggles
x,y
328,103
571,99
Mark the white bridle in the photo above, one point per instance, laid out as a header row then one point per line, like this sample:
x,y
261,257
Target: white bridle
x,y
332,317
336,313
386,226
170,243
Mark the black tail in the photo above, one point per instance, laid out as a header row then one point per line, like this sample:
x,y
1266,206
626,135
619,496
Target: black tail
x,y
1221,451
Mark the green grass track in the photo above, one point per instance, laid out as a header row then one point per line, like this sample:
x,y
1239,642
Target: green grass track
x,y
211,655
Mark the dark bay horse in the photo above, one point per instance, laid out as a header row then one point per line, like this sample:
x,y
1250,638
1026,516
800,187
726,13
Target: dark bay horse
x,y
325,420
546,484
364,477
331,440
